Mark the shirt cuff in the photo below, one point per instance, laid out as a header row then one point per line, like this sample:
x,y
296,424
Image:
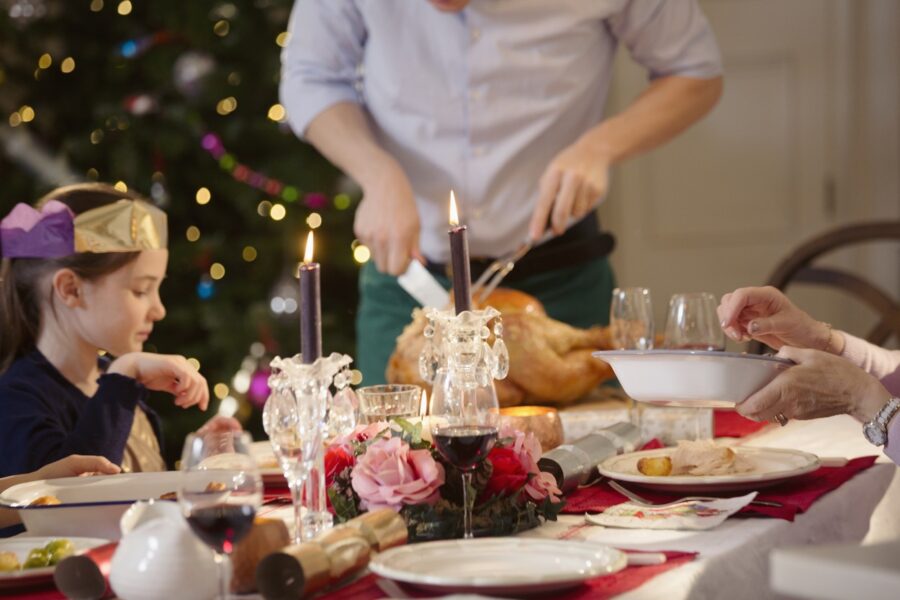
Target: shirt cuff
x,y
122,389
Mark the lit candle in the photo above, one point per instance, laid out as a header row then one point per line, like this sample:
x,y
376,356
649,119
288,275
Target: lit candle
x,y
423,409
310,306
459,258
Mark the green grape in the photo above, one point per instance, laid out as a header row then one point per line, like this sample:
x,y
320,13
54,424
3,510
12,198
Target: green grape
x,y
59,549
37,558
9,562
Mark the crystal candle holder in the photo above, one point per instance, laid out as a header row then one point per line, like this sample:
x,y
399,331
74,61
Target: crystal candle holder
x,y
299,414
459,343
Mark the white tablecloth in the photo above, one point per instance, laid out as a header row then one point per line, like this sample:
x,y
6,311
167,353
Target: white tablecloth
x,y
733,560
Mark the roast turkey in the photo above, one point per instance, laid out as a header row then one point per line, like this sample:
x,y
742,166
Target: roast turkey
x,y
549,362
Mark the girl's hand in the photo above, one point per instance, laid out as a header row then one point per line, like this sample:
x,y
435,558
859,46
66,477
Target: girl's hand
x,y
819,385
765,314
220,424
77,464
165,373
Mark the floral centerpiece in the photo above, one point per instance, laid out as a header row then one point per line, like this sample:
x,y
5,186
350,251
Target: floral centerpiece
x,y
392,465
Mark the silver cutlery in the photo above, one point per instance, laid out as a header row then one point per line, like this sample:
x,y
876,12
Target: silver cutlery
x,y
636,499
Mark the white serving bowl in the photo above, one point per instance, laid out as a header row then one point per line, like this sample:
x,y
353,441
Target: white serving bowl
x,y
90,506
692,378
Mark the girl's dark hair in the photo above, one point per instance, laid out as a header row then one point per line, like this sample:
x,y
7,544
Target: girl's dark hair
x,y
20,295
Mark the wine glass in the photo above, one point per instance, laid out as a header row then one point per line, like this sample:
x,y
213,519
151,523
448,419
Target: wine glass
x,y
631,319
464,417
219,493
692,323
632,328
295,431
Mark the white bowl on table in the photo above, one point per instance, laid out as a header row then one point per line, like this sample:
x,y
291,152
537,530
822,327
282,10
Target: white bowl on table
x,y
89,506
692,378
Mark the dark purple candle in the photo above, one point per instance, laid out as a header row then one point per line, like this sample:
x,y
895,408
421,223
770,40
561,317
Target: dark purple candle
x,y
310,306
459,260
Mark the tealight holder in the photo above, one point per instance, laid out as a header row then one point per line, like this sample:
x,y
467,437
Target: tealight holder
x,y
299,414
459,344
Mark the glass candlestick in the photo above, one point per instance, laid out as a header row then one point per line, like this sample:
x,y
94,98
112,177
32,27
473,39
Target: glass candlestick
x,y
297,417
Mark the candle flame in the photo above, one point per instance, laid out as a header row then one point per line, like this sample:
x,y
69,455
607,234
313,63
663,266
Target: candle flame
x,y
423,410
308,255
454,215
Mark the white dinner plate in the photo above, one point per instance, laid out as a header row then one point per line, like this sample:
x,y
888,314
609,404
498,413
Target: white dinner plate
x,y
497,565
692,378
770,467
22,545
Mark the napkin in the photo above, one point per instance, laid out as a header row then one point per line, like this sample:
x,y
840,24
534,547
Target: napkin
x,y
693,515
795,496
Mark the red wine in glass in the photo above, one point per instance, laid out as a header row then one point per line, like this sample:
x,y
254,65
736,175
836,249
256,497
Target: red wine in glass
x,y
464,446
222,525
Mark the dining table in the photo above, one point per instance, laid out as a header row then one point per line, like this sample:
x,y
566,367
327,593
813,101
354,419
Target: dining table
x,y
732,560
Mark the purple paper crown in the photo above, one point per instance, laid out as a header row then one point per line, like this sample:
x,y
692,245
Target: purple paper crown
x,y
29,233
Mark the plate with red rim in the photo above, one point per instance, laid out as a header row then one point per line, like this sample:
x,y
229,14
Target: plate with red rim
x,y
771,466
27,578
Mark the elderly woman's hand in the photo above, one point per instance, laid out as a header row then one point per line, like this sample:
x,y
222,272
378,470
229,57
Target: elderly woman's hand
x,y
765,314
819,385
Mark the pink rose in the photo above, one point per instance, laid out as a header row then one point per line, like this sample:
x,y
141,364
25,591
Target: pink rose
x,y
362,433
391,475
528,449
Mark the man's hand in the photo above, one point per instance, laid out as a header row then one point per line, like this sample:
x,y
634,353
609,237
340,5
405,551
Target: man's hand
x,y
572,186
387,221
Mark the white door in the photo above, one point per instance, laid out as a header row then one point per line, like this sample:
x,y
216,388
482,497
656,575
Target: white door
x,y
722,205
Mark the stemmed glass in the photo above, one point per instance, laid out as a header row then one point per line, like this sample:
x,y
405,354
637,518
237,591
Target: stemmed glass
x,y
692,323
219,493
295,431
464,417
632,328
631,319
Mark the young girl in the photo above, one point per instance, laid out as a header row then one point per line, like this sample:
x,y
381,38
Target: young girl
x,y
79,277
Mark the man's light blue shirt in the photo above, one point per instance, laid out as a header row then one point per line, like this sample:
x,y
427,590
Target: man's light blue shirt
x,y
481,101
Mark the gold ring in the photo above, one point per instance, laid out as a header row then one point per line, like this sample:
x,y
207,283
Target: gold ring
x,y
782,420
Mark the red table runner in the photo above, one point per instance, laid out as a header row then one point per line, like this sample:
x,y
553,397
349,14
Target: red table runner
x,y
730,423
795,496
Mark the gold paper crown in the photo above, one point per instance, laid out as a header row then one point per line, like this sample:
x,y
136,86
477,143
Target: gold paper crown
x,y
124,226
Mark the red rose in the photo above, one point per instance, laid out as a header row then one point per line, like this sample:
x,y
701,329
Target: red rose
x,y
337,458
508,475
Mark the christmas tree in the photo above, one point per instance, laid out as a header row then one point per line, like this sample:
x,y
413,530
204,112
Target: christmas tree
x,y
179,101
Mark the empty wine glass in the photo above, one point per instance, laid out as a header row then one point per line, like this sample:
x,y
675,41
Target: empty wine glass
x,y
219,493
692,323
631,319
464,417
295,431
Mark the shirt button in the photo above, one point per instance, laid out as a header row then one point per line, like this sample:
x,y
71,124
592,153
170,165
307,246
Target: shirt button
x,y
477,213
478,151
475,33
475,95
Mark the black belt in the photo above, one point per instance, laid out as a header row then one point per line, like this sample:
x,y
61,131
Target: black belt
x,y
579,244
